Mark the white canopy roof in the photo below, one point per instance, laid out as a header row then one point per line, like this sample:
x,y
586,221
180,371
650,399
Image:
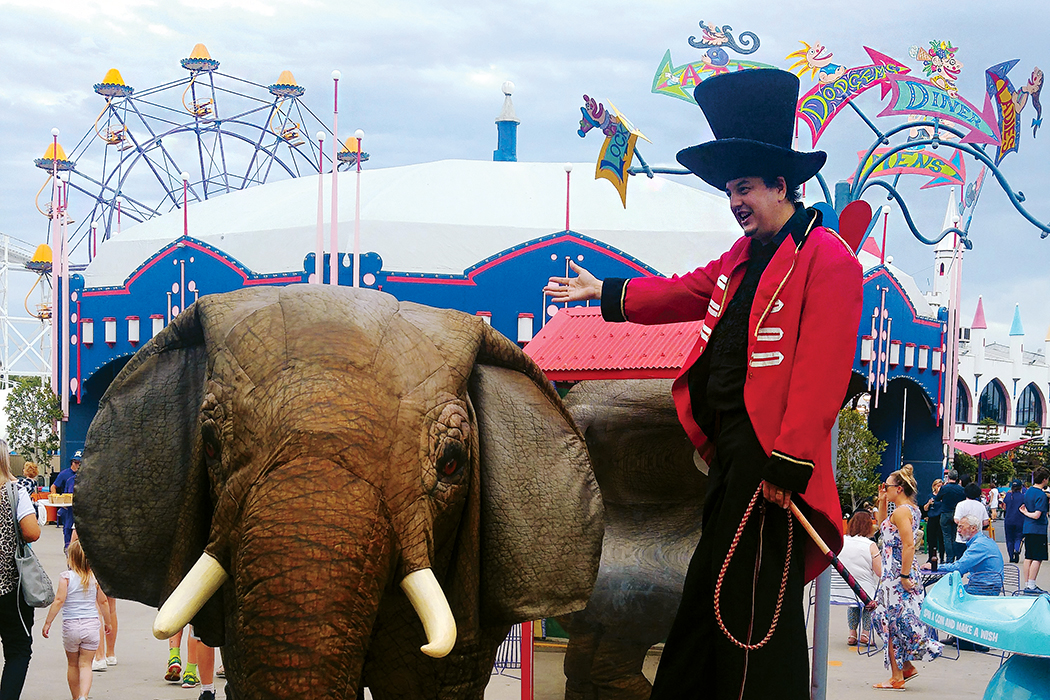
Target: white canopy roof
x,y
440,217
445,216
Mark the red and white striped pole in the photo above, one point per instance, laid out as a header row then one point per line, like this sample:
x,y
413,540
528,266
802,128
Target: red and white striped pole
x,y
318,277
333,262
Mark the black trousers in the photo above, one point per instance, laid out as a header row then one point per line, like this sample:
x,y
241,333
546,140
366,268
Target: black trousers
x,y
699,661
18,646
934,540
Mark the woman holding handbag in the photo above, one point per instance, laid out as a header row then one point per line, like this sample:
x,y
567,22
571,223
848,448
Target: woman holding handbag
x,y
16,616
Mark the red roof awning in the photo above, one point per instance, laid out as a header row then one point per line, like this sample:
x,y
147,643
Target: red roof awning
x,y
579,344
991,450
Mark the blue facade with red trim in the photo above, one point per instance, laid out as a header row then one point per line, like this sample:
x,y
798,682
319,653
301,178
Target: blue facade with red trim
x,y
900,358
504,285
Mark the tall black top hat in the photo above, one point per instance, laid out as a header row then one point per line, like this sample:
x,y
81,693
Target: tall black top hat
x,y
752,115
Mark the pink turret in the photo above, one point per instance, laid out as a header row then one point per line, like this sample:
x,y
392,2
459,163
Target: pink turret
x,y
977,332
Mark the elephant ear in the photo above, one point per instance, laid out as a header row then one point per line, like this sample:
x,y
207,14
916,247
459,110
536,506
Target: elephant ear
x,y
541,511
142,506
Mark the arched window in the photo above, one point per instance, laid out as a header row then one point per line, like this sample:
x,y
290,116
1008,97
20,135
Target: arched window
x,y
962,403
1030,406
992,404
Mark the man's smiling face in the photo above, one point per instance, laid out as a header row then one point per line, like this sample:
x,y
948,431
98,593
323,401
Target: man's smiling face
x,y
757,208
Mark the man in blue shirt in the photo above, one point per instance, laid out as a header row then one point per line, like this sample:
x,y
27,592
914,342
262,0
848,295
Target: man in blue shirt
x,y
64,483
950,495
981,560
1034,529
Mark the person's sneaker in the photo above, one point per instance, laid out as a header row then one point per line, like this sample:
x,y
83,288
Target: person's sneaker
x,y
98,664
174,668
111,661
1034,591
206,695
190,680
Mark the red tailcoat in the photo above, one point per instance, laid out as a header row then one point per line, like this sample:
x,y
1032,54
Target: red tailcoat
x,y
801,342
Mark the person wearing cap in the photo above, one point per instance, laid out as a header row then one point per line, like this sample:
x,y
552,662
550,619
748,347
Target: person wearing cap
x,y
64,483
758,394
1013,521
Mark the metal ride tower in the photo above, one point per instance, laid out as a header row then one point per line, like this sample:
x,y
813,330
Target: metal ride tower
x,y
147,153
227,133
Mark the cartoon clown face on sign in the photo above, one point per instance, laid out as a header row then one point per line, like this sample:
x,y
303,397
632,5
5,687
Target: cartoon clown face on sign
x,y
939,62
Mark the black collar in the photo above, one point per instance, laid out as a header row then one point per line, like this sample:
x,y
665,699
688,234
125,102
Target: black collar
x,y
797,227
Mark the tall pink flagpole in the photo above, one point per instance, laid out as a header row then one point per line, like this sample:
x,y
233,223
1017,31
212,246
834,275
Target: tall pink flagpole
x,y
319,243
56,270
185,204
568,175
359,135
65,303
333,262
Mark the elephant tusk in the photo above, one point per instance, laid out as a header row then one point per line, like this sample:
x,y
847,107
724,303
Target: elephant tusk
x,y
428,600
203,580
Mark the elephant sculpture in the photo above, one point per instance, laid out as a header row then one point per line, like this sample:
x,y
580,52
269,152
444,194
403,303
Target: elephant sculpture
x,y
339,489
653,492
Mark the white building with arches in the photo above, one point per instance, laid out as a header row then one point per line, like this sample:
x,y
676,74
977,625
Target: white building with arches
x,y
1006,382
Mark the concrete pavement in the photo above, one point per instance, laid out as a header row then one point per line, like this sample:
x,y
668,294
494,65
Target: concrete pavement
x,y
143,659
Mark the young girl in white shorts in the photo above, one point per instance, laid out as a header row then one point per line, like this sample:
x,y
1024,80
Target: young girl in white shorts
x,y
80,599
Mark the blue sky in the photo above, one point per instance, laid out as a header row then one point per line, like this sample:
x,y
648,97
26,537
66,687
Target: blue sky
x,y
422,79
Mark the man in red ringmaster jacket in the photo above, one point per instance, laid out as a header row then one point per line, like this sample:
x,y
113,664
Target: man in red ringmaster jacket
x,y
758,395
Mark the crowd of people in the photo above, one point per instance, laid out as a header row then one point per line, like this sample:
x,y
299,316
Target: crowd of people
x,y
89,617
958,537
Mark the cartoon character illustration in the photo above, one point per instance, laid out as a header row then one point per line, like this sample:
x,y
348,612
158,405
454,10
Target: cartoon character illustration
x,y
1032,89
925,132
596,116
939,62
715,36
716,60
812,60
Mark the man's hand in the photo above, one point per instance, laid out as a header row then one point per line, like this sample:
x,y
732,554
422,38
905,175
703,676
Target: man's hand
x,y
583,287
775,494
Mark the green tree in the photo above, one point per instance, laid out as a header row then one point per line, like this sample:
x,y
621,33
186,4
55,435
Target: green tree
x,y
1032,454
859,457
32,410
1000,469
987,432
965,464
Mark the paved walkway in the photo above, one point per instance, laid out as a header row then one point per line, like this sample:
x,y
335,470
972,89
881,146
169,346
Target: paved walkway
x,y
142,659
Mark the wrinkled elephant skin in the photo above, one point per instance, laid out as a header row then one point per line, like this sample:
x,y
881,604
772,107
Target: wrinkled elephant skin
x,y
328,447
653,494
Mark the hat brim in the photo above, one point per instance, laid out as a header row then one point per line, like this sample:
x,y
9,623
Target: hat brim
x,y
718,162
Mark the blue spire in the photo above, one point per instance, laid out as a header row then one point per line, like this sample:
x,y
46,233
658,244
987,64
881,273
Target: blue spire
x,y
1015,327
507,128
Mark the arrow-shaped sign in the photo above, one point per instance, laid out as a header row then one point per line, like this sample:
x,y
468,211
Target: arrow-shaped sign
x,y
679,81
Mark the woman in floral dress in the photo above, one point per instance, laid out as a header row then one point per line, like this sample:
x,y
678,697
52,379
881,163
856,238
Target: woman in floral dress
x,y
900,592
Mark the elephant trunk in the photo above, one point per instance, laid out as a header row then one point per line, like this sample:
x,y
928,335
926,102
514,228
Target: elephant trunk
x,y
203,580
428,600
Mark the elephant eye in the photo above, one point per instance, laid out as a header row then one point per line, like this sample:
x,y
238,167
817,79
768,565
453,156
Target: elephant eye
x,y
452,459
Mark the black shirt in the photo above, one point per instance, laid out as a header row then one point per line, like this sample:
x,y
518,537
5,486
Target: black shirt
x,y
716,381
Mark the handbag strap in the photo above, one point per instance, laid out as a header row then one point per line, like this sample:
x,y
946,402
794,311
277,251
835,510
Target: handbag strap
x,y
12,499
